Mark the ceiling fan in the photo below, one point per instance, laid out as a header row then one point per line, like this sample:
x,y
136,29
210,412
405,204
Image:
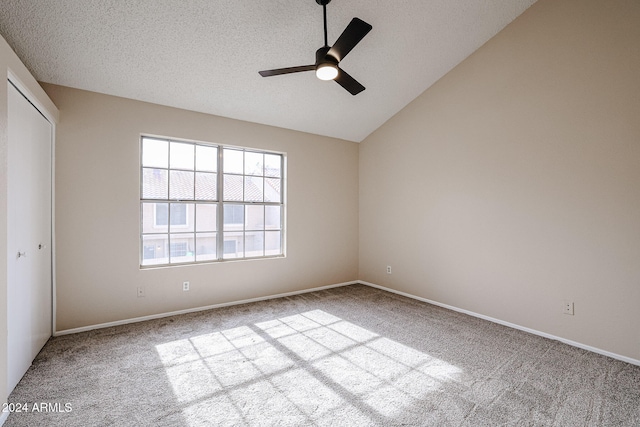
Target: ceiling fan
x,y
328,57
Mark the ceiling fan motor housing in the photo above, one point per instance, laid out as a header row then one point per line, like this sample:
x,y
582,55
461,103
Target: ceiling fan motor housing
x,y
322,57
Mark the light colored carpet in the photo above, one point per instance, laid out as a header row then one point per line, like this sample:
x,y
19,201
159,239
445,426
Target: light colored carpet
x,y
346,356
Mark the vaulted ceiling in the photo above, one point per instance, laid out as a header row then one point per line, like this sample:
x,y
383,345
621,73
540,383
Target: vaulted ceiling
x,y
204,55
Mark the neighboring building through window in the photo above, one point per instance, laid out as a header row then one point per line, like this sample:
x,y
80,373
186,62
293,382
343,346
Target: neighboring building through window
x,y
178,214
205,203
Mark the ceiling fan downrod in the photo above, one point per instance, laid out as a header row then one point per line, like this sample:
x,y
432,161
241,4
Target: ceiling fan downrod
x,y
324,14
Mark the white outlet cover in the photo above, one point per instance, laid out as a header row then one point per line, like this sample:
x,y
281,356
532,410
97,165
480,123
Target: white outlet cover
x,y
568,307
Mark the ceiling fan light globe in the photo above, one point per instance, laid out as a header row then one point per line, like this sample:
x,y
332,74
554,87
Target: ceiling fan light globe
x,y
326,72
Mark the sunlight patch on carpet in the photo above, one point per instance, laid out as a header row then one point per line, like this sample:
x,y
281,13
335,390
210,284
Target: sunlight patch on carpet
x,y
299,368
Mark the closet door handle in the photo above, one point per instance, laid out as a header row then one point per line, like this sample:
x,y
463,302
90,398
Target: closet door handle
x,y
40,246
22,254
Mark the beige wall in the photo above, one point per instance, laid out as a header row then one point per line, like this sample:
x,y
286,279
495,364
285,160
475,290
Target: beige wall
x,y
98,214
514,182
10,64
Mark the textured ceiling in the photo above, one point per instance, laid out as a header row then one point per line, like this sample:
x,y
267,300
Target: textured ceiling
x,y
204,55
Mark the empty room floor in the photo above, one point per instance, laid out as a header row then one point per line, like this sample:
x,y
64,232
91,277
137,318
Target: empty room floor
x,y
352,355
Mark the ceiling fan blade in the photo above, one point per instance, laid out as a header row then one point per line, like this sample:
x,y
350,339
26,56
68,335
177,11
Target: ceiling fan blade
x,y
350,37
289,70
348,82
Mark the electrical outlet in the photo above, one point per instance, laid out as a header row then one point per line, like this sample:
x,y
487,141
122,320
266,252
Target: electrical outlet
x,y
567,308
388,269
140,291
185,286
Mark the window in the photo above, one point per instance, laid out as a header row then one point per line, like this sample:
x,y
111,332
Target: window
x,y
207,203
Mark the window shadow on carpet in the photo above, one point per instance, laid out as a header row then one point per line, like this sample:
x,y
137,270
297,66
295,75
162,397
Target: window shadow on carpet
x,y
302,369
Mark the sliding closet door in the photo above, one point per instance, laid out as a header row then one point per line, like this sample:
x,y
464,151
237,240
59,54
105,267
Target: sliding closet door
x,y
29,293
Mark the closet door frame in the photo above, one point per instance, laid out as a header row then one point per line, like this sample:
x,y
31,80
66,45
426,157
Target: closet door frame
x,y
48,240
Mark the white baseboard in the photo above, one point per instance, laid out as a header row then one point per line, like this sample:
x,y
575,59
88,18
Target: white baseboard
x,y
3,417
373,285
193,310
510,325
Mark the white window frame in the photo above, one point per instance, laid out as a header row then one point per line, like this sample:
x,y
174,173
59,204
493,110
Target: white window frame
x,y
188,229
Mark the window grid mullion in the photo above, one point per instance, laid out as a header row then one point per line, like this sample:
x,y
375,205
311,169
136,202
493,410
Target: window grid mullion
x,y
220,208
244,205
195,208
263,204
169,201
